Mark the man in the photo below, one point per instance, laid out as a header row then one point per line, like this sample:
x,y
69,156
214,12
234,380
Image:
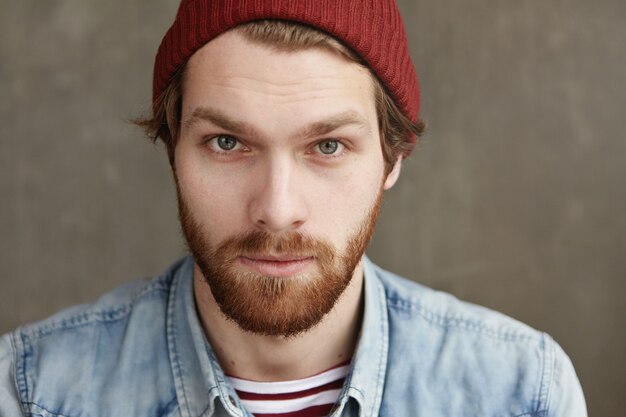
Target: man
x,y
284,123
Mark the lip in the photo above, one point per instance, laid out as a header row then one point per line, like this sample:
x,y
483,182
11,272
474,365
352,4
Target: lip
x,y
282,266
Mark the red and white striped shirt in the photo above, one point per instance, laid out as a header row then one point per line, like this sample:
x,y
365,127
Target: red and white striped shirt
x,y
309,397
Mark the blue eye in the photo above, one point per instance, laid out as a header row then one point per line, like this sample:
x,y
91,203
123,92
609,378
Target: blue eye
x,y
226,143
328,147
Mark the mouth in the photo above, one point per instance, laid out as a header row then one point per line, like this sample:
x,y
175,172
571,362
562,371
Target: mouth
x,y
282,266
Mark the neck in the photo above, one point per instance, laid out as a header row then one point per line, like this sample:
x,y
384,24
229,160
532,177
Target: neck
x,y
275,358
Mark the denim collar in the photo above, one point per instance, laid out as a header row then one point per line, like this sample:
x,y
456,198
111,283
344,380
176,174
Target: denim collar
x,y
201,386
367,377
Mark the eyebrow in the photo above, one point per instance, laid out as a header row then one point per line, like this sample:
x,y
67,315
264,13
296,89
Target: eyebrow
x,y
334,122
318,128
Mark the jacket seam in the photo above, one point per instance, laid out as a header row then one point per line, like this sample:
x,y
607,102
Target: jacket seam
x,y
44,409
170,407
548,373
96,317
18,365
384,329
20,368
458,322
179,384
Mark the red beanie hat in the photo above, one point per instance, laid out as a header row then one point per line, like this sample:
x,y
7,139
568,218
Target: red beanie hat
x,y
372,28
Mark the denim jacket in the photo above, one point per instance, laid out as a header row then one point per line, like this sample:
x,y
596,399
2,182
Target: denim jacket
x,y
141,351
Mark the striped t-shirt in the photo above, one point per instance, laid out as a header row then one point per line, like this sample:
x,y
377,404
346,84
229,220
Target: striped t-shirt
x,y
309,397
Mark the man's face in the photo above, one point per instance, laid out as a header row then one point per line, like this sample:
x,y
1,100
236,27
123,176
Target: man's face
x,y
279,174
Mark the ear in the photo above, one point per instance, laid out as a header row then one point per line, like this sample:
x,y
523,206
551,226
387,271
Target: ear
x,y
392,177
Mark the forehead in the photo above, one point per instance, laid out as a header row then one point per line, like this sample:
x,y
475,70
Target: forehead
x,y
254,81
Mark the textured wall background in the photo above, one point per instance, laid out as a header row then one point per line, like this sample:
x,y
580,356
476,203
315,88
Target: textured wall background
x,y
515,200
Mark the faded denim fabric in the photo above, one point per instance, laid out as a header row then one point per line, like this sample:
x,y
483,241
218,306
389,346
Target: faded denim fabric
x,y
140,351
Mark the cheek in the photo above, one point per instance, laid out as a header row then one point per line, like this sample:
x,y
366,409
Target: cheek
x,y
341,206
213,202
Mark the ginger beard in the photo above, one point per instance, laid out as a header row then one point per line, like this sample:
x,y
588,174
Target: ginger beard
x,y
276,306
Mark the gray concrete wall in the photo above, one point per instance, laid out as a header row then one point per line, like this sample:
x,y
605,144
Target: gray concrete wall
x,y
515,200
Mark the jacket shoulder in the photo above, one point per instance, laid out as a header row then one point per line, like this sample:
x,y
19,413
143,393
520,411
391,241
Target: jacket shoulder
x,y
110,307
94,355
483,361
408,298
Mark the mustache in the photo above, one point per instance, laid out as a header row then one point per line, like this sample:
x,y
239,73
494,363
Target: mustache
x,y
260,242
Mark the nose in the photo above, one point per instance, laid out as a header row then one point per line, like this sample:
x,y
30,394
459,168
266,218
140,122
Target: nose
x,y
278,203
